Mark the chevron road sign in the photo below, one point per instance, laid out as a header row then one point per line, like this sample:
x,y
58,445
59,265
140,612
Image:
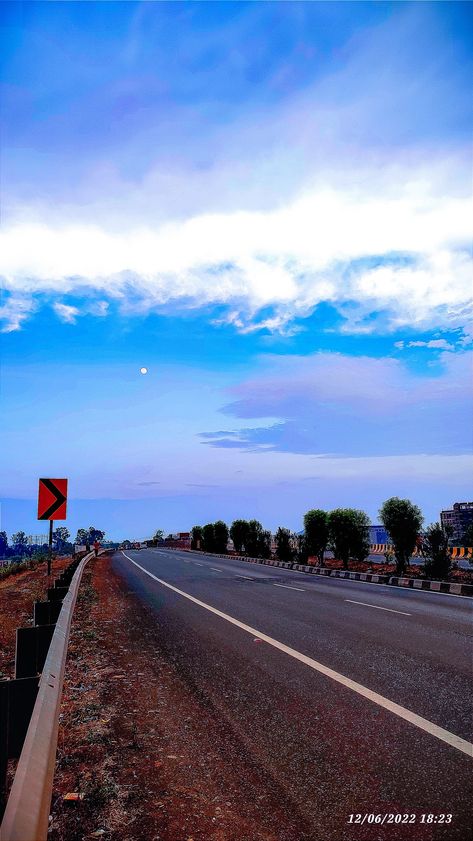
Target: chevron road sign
x,y
52,499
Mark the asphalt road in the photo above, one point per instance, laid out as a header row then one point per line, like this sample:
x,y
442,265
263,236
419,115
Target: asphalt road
x,y
351,698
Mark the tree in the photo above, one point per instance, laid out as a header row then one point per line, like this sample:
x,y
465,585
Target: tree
x,y
60,537
158,536
82,537
258,541
264,544
3,543
220,537
196,537
438,561
239,534
316,533
467,539
348,533
208,537
403,521
20,543
95,534
302,553
253,538
284,549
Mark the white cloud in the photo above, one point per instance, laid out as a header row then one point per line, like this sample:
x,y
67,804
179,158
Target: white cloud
x,y
386,256
437,344
99,308
66,312
14,312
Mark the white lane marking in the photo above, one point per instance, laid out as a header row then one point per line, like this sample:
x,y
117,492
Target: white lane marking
x,y
246,577
287,587
417,720
352,601
216,570
321,578
197,564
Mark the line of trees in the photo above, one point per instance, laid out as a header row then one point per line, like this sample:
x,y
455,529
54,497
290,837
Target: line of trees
x,y
345,531
213,537
19,547
248,536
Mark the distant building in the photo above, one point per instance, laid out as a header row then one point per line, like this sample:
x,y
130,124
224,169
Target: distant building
x,y
378,535
458,518
179,540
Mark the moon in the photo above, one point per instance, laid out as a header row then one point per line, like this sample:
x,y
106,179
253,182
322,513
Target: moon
x,y
143,370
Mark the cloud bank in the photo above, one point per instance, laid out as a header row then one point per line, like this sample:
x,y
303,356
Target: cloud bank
x,y
384,256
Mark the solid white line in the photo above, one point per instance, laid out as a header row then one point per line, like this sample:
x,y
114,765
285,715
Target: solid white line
x,y
352,601
216,570
417,720
287,587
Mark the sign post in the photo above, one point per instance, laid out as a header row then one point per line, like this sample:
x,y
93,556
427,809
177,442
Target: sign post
x,y
52,504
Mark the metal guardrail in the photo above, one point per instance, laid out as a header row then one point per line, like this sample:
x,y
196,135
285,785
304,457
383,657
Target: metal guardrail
x,y
27,811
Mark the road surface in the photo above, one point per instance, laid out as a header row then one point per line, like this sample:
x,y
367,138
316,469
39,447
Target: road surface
x,y
351,698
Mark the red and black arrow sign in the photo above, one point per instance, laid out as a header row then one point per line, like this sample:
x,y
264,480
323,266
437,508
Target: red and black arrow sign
x,y
52,499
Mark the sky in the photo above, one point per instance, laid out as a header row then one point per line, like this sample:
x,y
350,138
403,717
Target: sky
x,y
268,206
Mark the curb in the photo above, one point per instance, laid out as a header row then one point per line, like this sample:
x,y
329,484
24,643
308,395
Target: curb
x,y
456,589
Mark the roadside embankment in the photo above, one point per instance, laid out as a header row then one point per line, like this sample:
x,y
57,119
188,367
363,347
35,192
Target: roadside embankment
x,y
17,594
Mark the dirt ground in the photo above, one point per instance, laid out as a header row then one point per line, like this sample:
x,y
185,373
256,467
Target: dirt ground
x,y
17,594
141,754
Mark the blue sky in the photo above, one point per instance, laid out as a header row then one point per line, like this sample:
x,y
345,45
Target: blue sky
x,y
268,205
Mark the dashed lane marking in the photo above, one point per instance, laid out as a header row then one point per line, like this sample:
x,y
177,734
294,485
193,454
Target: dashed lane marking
x,y
216,570
412,718
287,587
378,607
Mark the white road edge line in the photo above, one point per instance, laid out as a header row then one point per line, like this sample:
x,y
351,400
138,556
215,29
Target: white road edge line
x,y
365,604
422,723
287,587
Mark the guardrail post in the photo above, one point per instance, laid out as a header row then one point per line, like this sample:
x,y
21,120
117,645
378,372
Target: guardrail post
x,y
17,700
46,613
3,743
32,646
57,593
